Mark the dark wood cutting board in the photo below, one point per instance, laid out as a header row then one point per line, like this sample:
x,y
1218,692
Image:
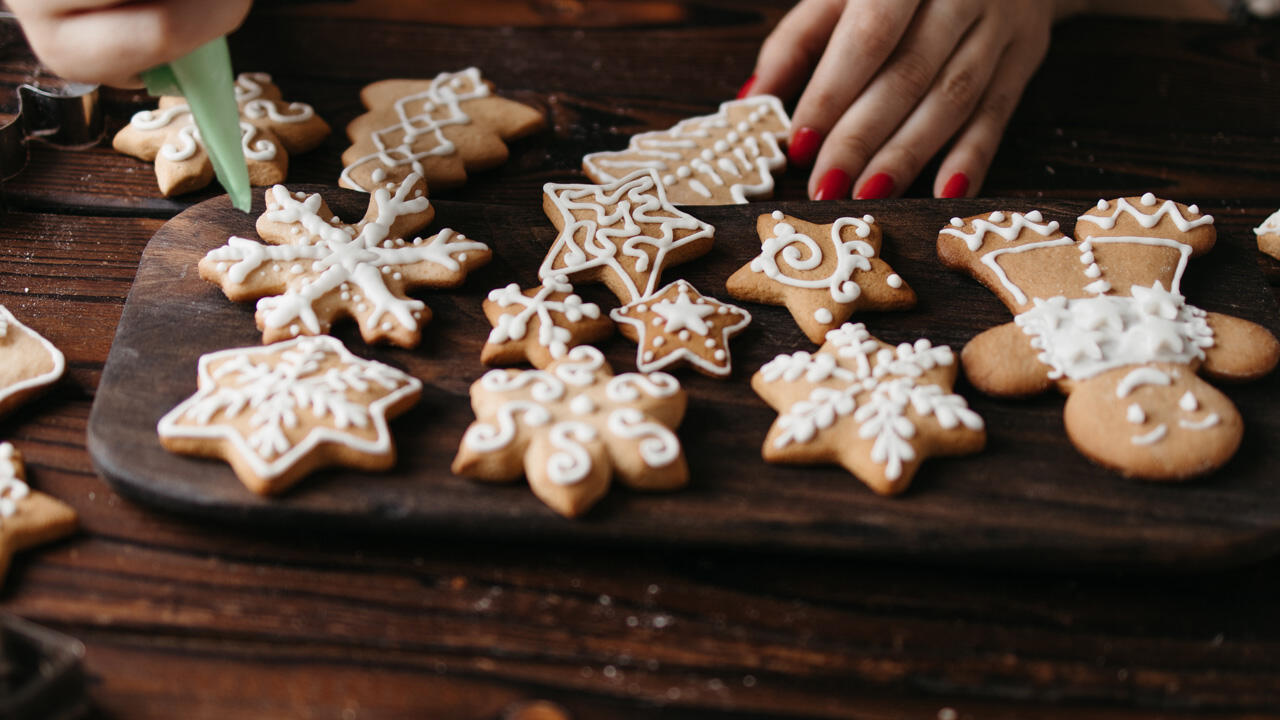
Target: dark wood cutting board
x,y
1029,498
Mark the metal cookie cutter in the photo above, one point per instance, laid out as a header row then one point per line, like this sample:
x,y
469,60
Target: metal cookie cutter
x,y
69,116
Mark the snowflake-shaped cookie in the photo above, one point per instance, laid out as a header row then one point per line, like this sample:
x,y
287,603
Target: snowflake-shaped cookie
x,y
270,131
540,324
27,517
680,324
320,269
28,362
278,412
623,234
877,410
820,273
571,427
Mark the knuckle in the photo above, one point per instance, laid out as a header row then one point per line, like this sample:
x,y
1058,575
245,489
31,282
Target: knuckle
x,y
912,73
999,106
960,89
852,148
904,159
824,101
867,28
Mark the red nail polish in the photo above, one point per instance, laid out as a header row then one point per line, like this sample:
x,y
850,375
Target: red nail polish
x,y
834,185
956,187
746,87
877,187
803,147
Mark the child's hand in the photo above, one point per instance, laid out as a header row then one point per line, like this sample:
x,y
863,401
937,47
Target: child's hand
x,y
111,41
887,83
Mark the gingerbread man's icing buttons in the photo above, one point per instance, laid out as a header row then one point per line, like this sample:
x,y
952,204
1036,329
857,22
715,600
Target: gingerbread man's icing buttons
x,y
875,409
317,268
677,324
441,129
572,427
727,157
28,362
27,517
540,324
278,412
271,130
822,274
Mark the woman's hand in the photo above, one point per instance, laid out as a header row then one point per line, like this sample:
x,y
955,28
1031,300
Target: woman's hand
x,y
110,42
888,83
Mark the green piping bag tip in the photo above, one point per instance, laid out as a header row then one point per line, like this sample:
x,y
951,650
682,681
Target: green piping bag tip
x,y
204,78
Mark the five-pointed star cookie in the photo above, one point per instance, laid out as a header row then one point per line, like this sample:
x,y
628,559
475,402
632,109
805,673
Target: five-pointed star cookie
x,y
677,324
320,269
822,274
877,410
623,234
270,131
573,426
276,413
28,362
27,517
539,324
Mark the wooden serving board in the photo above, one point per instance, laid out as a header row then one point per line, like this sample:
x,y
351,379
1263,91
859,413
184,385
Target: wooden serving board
x,y
1029,498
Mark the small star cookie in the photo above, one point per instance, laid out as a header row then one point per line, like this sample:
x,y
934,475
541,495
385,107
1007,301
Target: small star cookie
x,y
539,324
680,324
571,427
877,410
822,274
28,362
1269,235
270,131
27,518
319,269
278,412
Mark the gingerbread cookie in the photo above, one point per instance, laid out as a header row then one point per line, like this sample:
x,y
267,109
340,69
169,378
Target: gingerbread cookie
x,y
440,129
877,410
319,268
623,234
27,518
678,324
571,427
278,412
270,131
1269,235
540,324
822,274
28,362
1103,319
710,160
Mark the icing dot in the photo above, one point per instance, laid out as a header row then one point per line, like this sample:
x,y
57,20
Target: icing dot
x,y
387,326
296,269
386,269
868,219
733,136
997,217
894,281
668,179
723,310
361,307
462,257
957,222
1135,415
1034,216
657,321
719,355
378,175
1148,199
648,356
294,329
707,154
300,195
335,219
396,276
710,343
823,316
1195,209
276,268
642,308
582,405
684,171
721,146
743,127
1188,402
1086,258
777,215
346,296
659,341
684,336
1103,204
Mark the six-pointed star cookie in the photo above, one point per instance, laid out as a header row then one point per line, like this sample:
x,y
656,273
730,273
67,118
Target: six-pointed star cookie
x,y
276,413
28,362
27,517
571,427
678,323
821,273
877,410
270,131
320,269
623,234
539,324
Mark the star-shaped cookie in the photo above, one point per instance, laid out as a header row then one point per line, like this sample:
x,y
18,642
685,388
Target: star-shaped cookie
x,y
278,412
822,274
28,362
540,324
680,324
27,518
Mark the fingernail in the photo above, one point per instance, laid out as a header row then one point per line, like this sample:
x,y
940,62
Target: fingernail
x,y
877,187
956,187
803,147
834,185
745,90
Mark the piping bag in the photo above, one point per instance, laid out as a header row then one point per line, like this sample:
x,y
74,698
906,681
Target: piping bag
x,y
203,77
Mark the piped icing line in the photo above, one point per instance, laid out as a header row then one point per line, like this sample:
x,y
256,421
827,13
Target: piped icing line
x,y
991,225
676,321
1184,252
10,324
12,489
1208,421
1139,377
1156,435
802,253
541,306
1147,220
990,260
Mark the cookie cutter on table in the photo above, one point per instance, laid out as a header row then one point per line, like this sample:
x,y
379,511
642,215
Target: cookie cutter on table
x,y
69,116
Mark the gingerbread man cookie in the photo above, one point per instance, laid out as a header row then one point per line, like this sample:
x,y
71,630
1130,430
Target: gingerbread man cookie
x,y
278,412
623,234
270,131
441,129
822,274
571,427
678,324
27,518
540,324
319,268
1269,235
28,362
1102,317
877,410
717,159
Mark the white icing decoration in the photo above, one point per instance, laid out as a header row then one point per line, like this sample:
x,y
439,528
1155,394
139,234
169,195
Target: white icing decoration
x,y
688,314
572,463
1270,226
10,324
1139,377
894,281
990,261
981,227
1147,220
1205,423
1135,414
12,490
550,335
823,316
1188,402
1152,437
684,313
802,253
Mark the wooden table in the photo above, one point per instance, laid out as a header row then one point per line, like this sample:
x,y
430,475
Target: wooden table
x,y
190,620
